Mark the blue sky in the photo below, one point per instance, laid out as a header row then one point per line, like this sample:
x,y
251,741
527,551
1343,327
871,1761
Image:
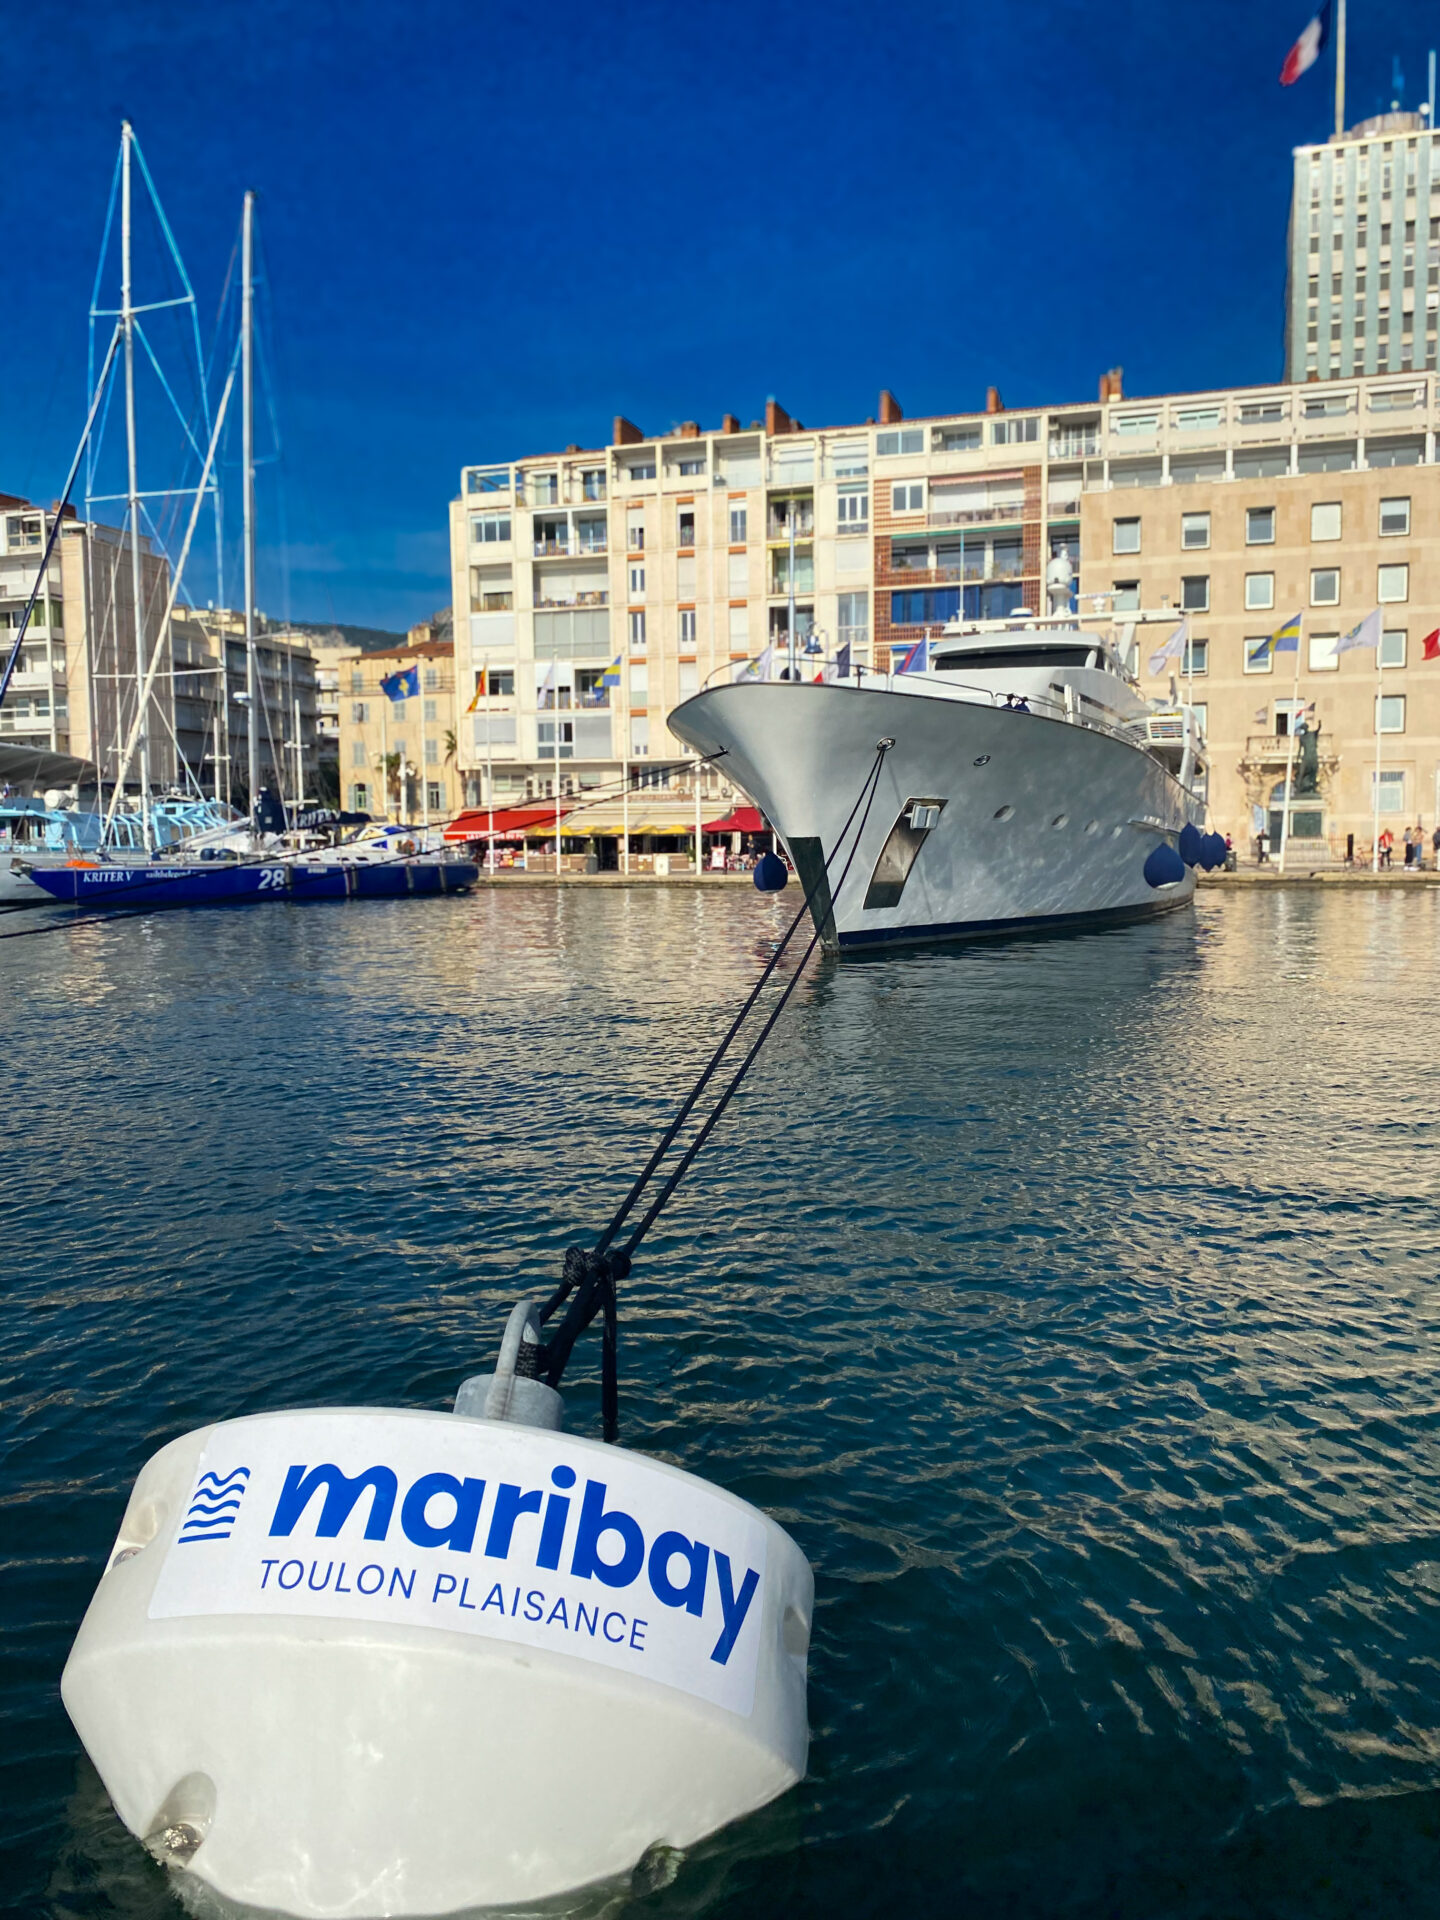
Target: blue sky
x,y
487,229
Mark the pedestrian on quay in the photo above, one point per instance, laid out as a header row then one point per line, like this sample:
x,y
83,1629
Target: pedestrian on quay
x,y
1409,848
1387,847
1260,847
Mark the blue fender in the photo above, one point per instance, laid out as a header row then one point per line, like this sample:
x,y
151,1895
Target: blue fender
x,y
1192,844
1163,866
771,873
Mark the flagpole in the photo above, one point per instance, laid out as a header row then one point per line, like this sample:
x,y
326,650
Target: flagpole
x,y
1339,69
1375,797
489,772
555,696
384,759
1290,755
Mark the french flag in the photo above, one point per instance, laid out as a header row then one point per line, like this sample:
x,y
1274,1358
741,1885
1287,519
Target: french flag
x,y
1308,48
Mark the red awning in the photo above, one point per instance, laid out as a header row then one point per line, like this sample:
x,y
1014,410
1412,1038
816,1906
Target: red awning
x,y
742,820
478,823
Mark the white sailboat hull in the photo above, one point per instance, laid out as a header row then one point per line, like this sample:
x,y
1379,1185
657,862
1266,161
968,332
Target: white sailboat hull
x,y
1043,823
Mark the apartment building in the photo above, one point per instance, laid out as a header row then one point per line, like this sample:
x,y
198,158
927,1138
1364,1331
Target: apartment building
x,y
659,562
398,757
1364,268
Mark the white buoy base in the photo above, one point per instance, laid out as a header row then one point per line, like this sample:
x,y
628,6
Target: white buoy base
x,y
387,1663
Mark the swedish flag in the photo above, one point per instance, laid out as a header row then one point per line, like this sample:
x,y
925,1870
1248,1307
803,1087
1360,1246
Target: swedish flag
x,y
611,675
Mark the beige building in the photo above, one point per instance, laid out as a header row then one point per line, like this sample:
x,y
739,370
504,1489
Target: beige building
x,y
411,739
672,557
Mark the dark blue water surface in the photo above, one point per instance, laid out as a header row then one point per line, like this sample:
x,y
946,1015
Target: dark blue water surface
x,y
1074,1304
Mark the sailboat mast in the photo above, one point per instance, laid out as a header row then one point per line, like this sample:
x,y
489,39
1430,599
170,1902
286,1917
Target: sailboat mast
x,y
127,316
247,404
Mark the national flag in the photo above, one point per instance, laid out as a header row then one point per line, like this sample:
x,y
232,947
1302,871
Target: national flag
x,y
760,667
545,693
611,675
1286,639
839,667
1362,637
1262,714
914,658
479,693
1431,644
1173,647
402,685
1308,48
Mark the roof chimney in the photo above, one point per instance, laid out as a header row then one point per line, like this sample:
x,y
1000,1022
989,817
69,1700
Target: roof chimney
x,y
626,432
729,423
689,430
890,408
777,420
1111,387
993,402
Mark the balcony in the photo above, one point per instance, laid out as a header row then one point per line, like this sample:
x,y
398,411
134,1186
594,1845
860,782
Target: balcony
x,y
1075,446
596,597
1010,515
777,526
592,543
554,547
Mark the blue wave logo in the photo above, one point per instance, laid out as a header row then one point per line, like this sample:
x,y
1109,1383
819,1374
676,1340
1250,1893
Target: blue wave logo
x,y
211,1514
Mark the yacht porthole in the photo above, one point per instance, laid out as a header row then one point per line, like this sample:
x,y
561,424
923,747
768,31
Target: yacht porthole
x,y
1092,826
983,760
1005,813
1061,820
1115,832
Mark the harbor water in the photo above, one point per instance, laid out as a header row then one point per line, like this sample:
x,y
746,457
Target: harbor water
x,y
1072,1302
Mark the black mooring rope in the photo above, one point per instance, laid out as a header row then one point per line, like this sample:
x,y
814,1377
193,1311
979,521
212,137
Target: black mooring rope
x,y
591,1274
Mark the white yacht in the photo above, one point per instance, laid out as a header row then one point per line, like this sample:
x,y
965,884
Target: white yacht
x,y
1028,787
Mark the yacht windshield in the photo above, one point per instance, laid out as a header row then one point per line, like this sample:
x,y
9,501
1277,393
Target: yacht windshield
x,y
983,657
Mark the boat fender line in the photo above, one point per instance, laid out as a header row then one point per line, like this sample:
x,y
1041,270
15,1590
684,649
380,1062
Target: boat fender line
x,y
590,1276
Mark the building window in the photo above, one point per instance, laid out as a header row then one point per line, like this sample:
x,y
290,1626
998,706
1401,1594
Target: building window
x,y
1390,712
359,713
739,519
642,469
358,755
1194,529
908,499
687,626
1259,656
739,628
852,510
1126,596
490,529
1125,536
432,753
1325,520
1015,433
1392,584
1260,526
685,527
544,489
1391,788
1394,517
1322,655
639,735
434,795
1392,648
1195,593
637,629
955,439
691,469
592,483
637,536
637,583
1197,656
432,709
853,618
1324,586
910,440
1259,592
432,679
359,796
357,680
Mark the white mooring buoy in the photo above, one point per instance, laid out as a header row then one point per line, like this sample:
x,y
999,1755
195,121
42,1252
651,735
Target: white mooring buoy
x,y
373,1662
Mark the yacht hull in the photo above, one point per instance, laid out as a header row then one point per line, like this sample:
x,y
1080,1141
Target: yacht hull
x,y
1043,824
144,884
